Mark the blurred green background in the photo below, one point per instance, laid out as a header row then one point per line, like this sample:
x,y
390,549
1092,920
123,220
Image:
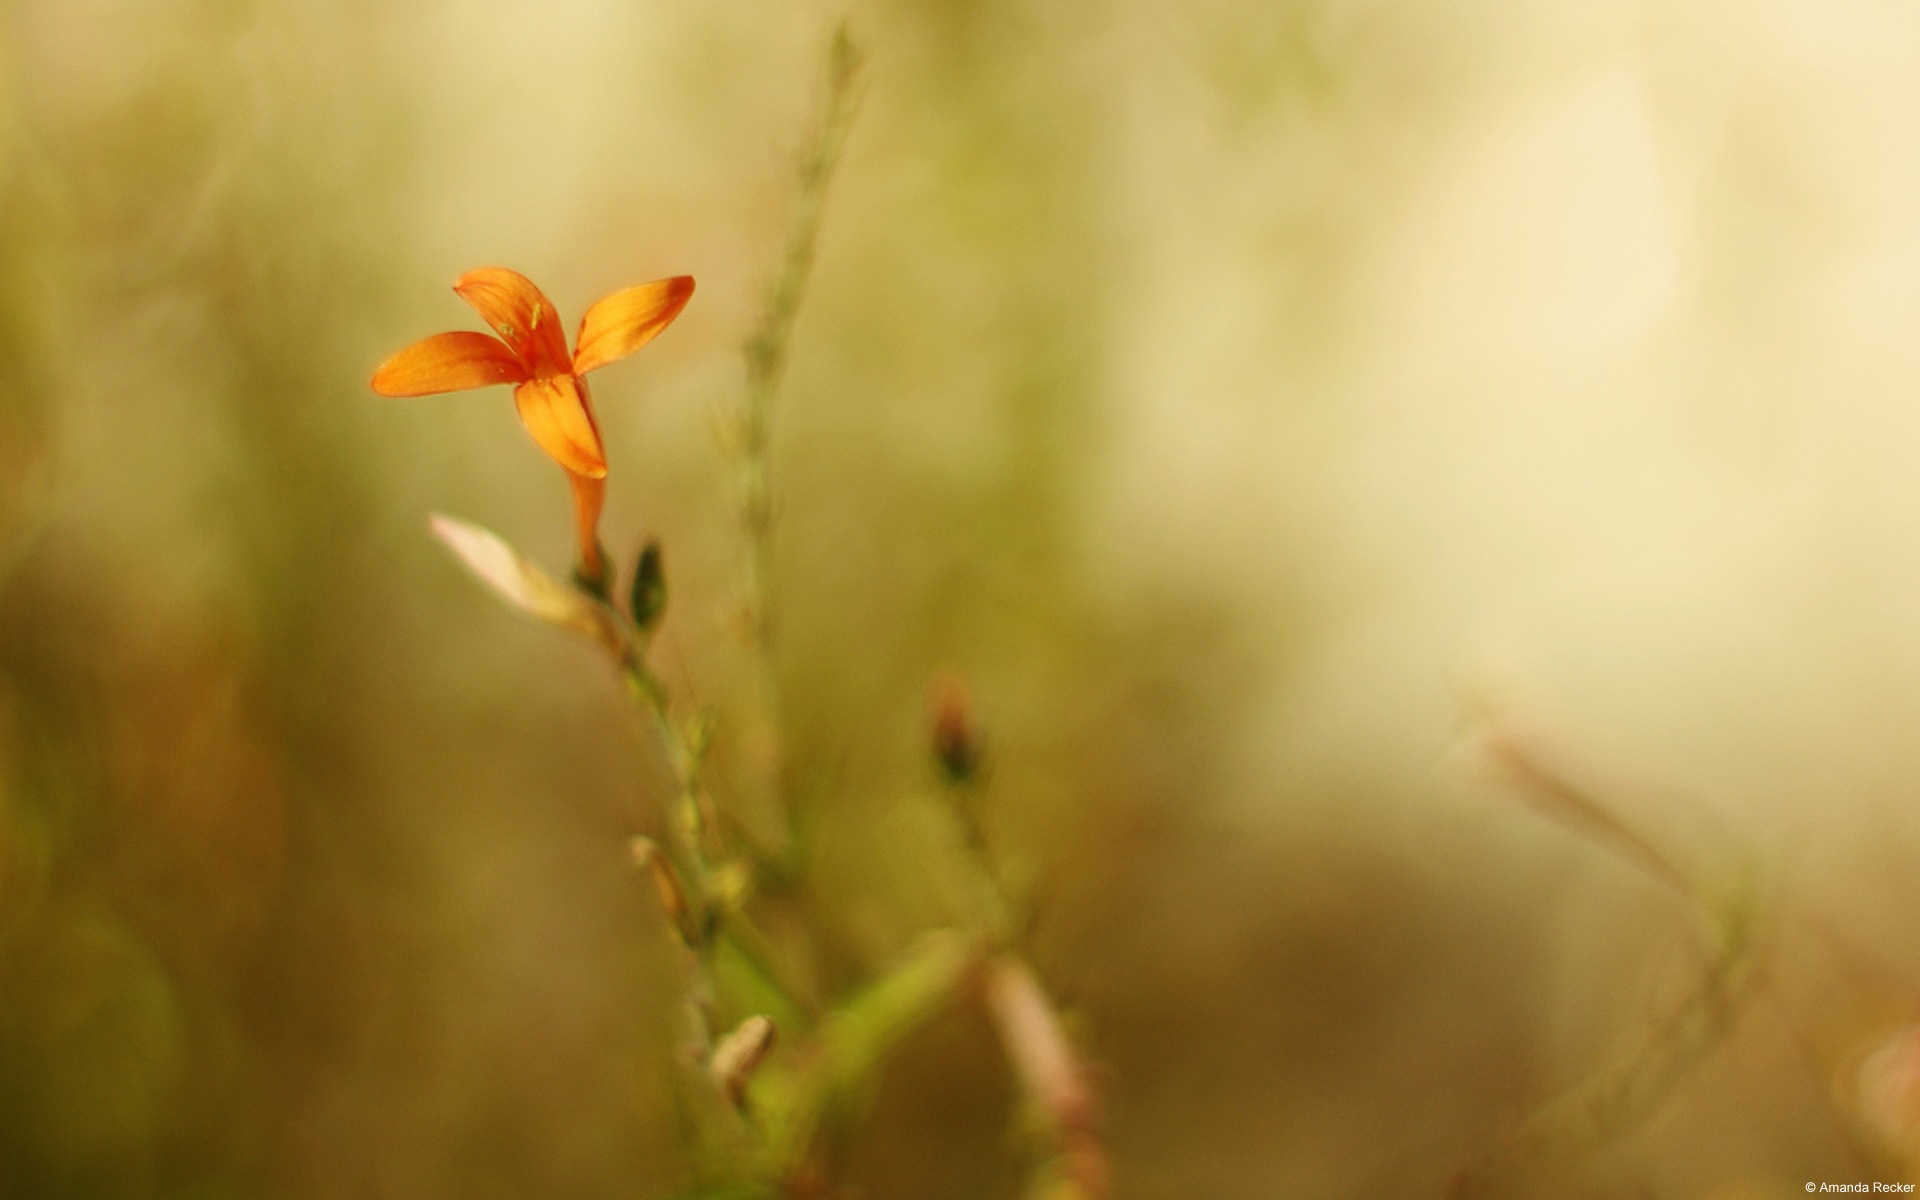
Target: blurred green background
x,y
1219,387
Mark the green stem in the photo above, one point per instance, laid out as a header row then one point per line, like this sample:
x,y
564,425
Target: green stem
x,y
766,354
695,826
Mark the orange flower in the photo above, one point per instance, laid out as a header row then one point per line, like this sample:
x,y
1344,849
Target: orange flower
x,y
550,390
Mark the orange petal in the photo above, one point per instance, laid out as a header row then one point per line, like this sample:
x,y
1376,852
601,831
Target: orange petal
x,y
448,362
627,320
555,412
521,314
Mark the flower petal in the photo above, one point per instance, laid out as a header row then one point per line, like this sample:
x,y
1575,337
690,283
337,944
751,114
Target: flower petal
x,y
555,412
627,320
521,314
448,362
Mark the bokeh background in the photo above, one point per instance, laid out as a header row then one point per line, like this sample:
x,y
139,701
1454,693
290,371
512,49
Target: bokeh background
x,y
1239,395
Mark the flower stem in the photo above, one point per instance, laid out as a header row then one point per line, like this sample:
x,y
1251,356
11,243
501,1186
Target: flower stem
x,y
696,828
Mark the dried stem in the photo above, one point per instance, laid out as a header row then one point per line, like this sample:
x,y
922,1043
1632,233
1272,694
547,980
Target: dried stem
x,y
1549,788
1049,1073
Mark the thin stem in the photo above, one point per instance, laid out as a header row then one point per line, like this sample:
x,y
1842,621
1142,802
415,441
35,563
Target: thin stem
x,y
694,813
995,911
696,827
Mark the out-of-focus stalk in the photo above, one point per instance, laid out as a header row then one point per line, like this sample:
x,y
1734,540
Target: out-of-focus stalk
x,y
1736,937
766,360
1051,1077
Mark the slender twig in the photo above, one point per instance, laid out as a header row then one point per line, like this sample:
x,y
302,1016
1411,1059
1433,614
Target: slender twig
x,y
1549,787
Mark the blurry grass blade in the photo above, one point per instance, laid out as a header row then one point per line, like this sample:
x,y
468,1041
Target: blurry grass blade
x,y
526,587
1548,788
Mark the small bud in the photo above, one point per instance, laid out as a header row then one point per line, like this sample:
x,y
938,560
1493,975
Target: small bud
x,y
649,599
673,897
956,740
738,1054
730,886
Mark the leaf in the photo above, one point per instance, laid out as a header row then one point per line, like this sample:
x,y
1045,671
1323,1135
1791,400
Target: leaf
x,y
526,587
